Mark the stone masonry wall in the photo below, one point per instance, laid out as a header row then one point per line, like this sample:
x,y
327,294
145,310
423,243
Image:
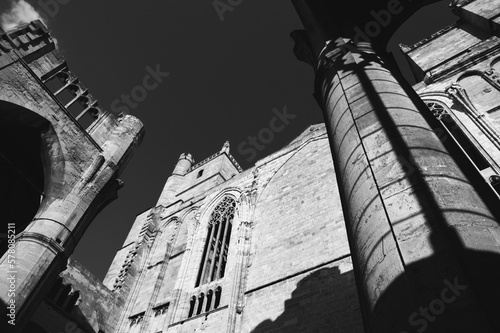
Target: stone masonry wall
x,y
295,271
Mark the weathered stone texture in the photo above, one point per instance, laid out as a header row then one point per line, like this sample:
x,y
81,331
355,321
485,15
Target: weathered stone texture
x,y
80,170
451,43
298,218
288,226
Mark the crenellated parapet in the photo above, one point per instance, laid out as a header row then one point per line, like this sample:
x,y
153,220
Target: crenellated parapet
x,y
25,41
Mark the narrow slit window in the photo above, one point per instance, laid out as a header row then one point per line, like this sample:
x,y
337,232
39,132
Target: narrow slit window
x,y
192,304
200,303
218,293
210,293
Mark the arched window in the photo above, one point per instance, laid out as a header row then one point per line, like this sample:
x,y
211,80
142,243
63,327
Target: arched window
x,y
200,303
213,263
210,294
192,303
218,292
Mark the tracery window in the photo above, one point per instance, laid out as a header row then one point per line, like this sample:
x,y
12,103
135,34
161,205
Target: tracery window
x,y
213,263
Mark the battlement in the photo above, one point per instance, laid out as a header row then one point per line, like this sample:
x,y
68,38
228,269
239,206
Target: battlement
x,y
32,47
25,40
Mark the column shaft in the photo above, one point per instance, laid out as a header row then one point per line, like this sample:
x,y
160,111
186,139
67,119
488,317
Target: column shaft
x,y
411,213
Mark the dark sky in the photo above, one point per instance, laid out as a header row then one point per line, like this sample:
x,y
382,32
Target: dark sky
x,y
225,78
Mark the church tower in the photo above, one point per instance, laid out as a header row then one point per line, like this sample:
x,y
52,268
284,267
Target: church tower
x,y
227,250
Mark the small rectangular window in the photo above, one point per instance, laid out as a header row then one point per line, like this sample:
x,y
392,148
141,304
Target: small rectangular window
x,y
200,173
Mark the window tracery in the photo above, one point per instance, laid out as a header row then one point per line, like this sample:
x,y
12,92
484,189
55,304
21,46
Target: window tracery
x,y
213,263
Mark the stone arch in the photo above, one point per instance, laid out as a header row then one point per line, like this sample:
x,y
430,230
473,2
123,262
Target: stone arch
x,y
205,212
495,64
35,173
398,37
356,15
168,221
187,228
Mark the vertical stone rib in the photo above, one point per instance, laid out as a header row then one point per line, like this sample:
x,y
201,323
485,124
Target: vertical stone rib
x,y
179,291
409,209
460,96
161,275
244,215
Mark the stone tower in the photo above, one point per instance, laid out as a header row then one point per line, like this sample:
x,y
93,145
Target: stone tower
x,y
415,184
50,201
226,250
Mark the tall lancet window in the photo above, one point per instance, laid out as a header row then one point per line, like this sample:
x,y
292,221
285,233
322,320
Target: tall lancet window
x,y
214,258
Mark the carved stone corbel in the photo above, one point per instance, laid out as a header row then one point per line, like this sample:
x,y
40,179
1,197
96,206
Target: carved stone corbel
x,y
246,204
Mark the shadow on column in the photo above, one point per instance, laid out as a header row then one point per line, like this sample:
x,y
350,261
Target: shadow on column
x,y
457,288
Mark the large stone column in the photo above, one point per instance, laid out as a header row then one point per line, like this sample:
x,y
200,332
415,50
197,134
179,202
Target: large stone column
x,y
416,225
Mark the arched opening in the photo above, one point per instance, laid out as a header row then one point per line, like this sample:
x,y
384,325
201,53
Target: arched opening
x,y
21,168
436,17
201,298
192,303
218,292
382,23
210,294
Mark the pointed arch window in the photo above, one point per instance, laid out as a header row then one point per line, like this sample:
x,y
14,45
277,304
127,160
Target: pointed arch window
x,y
213,263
